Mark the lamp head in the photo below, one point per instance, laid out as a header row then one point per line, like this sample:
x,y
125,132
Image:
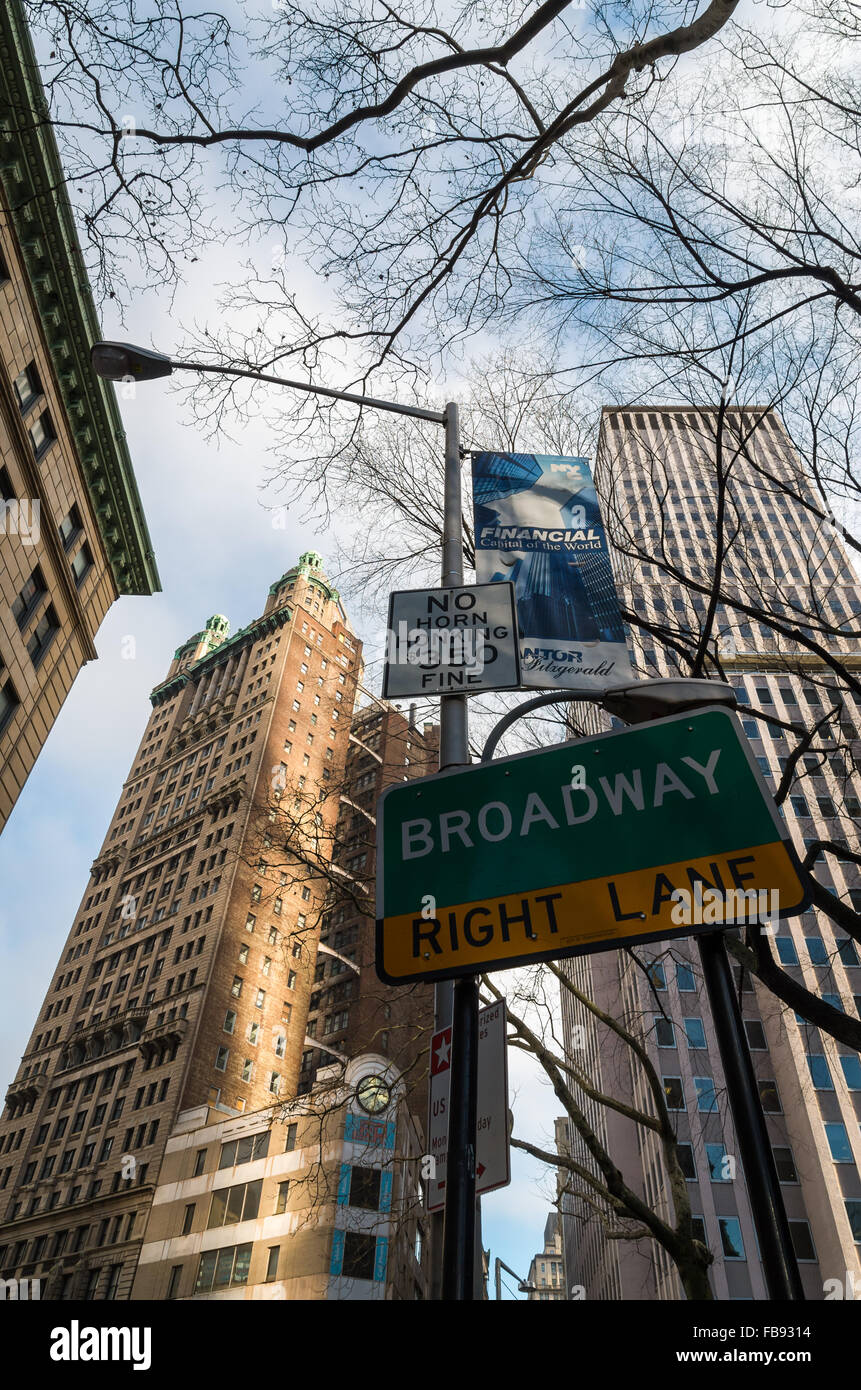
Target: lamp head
x,y
120,361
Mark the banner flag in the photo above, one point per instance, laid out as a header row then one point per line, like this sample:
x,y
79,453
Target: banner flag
x,y
537,523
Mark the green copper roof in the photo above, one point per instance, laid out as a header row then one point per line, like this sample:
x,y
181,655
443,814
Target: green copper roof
x,y
309,564
34,185
213,635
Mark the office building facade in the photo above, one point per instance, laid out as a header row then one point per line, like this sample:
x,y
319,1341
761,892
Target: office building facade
x,y
73,536
314,1199
662,480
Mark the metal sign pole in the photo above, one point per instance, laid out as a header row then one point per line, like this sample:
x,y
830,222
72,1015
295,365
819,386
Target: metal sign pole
x,y
453,1232
779,1263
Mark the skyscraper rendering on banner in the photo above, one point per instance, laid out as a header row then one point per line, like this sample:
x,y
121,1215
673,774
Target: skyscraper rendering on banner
x,y
788,561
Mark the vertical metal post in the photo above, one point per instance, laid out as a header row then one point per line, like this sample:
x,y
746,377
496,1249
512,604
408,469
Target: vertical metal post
x,y
453,742
779,1264
458,1256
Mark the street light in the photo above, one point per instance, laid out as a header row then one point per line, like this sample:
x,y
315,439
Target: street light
x,y
523,1285
119,361
455,1006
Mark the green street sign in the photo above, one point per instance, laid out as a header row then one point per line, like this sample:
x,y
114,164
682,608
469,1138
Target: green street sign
x,y
578,848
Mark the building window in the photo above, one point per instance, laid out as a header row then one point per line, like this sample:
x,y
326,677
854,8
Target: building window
x,y
802,1240
730,1236
290,1138
674,1093
274,1082
685,978
272,1263
784,1163
755,1035
853,1211
244,1150
260,999
665,1035
173,1282
851,1066
229,1021
718,1167
28,387
769,1096
685,1156
43,635
82,564
281,1202
365,1188
9,703
695,1032
221,1057
838,1142
29,598
188,1218
359,1255
706,1097
221,1269
230,1205
41,434
786,951
70,528
816,950
199,1162
247,1069
820,1073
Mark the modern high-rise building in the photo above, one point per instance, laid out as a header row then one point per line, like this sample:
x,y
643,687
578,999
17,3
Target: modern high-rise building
x,y
664,484
73,537
188,970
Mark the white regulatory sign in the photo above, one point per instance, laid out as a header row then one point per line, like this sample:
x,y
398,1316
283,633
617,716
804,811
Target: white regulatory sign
x,y
492,1149
442,641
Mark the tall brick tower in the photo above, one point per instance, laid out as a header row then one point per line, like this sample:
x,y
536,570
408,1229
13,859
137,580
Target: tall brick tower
x,y
188,970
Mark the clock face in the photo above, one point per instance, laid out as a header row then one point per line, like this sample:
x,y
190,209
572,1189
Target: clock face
x,y
373,1094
